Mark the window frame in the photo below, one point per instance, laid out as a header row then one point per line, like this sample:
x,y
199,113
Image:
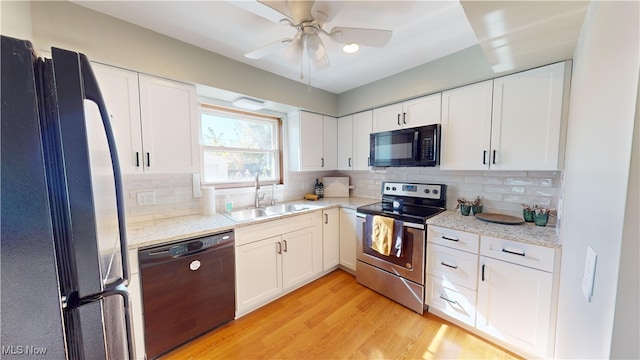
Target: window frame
x,y
221,110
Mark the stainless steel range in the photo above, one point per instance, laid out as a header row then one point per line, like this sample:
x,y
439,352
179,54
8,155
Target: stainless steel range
x,y
397,274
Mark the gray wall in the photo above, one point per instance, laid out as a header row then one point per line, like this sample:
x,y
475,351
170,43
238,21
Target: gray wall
x,y
115,42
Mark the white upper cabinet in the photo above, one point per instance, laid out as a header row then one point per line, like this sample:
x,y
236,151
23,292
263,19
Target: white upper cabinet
x,y
509,123
312,141
168,111
345,143
527,120
353,141
466,127
412,113
119,89
154,121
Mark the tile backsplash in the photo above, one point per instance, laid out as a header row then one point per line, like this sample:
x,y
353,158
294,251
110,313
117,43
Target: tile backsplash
x,y
500,191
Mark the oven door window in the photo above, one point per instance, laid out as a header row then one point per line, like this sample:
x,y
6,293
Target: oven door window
x,y
405,260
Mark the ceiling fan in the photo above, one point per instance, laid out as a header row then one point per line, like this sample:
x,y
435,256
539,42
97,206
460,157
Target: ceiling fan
x,y
309,18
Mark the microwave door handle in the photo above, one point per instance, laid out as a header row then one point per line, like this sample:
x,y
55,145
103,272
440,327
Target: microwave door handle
x,y
416,145
92,92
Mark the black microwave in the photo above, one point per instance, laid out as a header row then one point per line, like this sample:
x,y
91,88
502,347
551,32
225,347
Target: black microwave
x,y
418,146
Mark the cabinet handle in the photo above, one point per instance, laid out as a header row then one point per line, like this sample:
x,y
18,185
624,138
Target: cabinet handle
x,y
285,245
484,157
404,118
450,239
322,162
279,247
483,265
447,300
494,156
137,159
513,252
349,162
398,119
326,218
447,265
148,160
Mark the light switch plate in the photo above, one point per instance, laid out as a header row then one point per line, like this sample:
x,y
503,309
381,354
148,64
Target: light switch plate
x,y
589,273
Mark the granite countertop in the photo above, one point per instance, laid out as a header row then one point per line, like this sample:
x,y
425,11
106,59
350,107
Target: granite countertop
x,y
527,232
156,232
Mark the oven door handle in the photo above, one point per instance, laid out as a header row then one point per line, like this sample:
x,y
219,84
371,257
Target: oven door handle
x,y
405,224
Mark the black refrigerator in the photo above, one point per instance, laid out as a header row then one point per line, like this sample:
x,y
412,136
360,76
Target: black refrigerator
x,y
63,250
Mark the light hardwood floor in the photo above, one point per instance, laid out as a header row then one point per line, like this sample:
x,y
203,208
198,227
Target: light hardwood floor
x,y
335,317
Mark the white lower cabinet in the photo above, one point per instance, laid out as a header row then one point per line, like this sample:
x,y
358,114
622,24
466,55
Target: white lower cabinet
x,y
501,289
514,305
276,257
330,238
135,303
348,238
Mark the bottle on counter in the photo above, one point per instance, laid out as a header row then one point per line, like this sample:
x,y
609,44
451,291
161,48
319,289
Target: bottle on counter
x,y
317,189
321,190
229,204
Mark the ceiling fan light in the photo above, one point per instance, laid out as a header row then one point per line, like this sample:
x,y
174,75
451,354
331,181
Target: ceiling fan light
x,y
248,104
350,48
293,53
315,47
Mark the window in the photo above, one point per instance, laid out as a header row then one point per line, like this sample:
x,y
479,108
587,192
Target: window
x,y
236,145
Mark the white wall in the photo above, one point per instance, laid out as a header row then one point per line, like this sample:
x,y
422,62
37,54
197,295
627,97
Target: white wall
x,y
599,143
626,326
15,19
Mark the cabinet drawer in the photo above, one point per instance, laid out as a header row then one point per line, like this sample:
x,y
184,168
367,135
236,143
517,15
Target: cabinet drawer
x,y
455,266
276,227
456,239
531,255
454,301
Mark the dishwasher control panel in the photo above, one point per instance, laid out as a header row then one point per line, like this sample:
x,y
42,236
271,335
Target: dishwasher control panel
x,y
187,246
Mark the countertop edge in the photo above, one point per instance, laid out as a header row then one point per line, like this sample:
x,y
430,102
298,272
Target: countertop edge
x,y
525,233
162,231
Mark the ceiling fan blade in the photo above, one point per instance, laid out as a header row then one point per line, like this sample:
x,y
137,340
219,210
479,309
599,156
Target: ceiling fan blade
x,y
296,10
368,37
325,11
268,49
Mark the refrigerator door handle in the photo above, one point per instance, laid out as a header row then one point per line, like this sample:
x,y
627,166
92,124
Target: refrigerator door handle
x,y
92,92
119,288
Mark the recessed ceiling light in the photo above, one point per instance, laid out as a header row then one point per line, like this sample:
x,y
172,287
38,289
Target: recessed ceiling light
x,y
350,48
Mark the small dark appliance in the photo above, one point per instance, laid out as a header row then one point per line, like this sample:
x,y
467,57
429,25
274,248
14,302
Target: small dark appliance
x,y
407,147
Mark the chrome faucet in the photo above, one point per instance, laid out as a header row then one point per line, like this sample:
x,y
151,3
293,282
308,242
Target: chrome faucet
x,y
258,198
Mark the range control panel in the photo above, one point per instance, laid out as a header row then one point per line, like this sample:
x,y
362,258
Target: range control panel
x,y
424,191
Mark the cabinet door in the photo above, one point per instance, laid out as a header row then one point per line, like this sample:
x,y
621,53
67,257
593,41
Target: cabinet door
x,y
348,238
329,143
345,143
119,89
387,118
311,141
527,117
258,273
362,128
169,126
302,258
422,111
466,127
514,304
330,238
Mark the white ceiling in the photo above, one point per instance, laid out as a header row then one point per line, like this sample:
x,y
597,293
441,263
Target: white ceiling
x,y
422,32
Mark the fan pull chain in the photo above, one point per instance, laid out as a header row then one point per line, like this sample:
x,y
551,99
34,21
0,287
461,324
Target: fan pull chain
x,y
309,72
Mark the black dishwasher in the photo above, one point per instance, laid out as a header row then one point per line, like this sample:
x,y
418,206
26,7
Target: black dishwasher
x,y
188,288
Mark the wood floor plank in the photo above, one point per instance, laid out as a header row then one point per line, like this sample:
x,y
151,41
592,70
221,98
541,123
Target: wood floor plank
x,y
336,318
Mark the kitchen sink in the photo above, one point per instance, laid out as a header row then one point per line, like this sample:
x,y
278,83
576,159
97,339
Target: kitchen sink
x,y
269,211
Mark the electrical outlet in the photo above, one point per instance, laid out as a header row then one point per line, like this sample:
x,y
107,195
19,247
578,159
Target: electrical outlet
x,y
146,198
